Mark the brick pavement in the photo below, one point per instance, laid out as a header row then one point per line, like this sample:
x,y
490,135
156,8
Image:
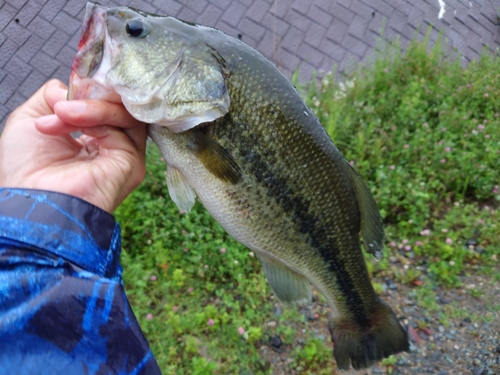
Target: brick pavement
x,y
38,38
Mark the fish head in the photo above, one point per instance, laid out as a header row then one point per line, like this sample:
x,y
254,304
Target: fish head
x,y
160,68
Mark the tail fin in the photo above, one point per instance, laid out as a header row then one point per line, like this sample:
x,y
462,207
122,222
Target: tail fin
x,y
362,347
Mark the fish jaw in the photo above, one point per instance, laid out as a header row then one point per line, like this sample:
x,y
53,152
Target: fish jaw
x,y
93,60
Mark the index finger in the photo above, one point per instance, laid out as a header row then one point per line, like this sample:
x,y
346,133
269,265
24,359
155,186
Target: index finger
x,y
85,113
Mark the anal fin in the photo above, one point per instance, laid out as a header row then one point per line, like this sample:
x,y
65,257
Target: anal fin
x,y
287,285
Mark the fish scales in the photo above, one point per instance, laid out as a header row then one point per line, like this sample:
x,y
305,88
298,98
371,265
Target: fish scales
x,y
234,132
299,178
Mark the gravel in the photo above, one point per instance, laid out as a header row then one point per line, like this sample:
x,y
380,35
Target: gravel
x,y
461,335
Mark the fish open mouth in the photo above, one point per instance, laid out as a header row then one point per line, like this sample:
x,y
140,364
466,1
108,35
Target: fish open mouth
x,y
85,82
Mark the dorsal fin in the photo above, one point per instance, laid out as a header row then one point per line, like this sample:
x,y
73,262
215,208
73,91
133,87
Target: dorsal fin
x,y
372,229
287,285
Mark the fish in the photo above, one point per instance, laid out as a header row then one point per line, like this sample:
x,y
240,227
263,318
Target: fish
x,y
236,134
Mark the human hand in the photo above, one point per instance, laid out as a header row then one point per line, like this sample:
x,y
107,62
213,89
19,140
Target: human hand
x,y
102,166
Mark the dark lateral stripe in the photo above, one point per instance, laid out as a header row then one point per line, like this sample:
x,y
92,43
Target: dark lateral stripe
x,y
295,205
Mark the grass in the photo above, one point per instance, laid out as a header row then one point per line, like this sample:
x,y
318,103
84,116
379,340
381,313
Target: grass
x,y
423,133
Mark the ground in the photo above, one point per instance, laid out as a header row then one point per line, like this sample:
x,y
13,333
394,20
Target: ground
x,y
457,332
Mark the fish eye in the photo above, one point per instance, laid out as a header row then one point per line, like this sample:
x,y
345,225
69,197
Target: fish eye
x,y
136,29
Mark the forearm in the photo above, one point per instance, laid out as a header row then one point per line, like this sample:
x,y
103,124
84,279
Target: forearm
x,y
62,302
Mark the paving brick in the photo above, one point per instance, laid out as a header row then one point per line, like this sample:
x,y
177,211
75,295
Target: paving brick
x,y
187,14
15,101
16,33
44,63
248,40
223,4
56,42
269,44
252,29
409,32
279,9
18,4
415,18
234,14
349,64
305,71
168,7
310,54
67,23
301,6
197,6
7,50
378,23
145,6
210,16
275,25
75,39
287,60
258,10
18,68
3,73
354,45
34,81
405,7
8,87
30,48
7,13
320,16
228,29
362,9
66,56
380,6
325,5
293,39
332,49
337,31
28,12
457,40
344,14
477,24
327,65
62,74
345,3
4,112
315,35
3,38
246,3
397,21
73,7
358,27
298,20
41,27
51,9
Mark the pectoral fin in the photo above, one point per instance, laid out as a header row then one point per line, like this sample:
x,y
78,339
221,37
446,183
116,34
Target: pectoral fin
x,y
288,286
372,230
215,158
180,191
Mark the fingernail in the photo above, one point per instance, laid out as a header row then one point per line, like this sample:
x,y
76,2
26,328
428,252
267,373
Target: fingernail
x,y
74,107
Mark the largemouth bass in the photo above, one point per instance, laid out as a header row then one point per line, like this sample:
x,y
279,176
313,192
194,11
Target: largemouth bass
x,y
235,133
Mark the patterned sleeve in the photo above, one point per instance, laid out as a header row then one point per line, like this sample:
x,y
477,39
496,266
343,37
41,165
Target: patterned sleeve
x,y
63,308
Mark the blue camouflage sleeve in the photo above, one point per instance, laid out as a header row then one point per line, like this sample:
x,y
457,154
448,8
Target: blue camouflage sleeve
x,y
63,308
